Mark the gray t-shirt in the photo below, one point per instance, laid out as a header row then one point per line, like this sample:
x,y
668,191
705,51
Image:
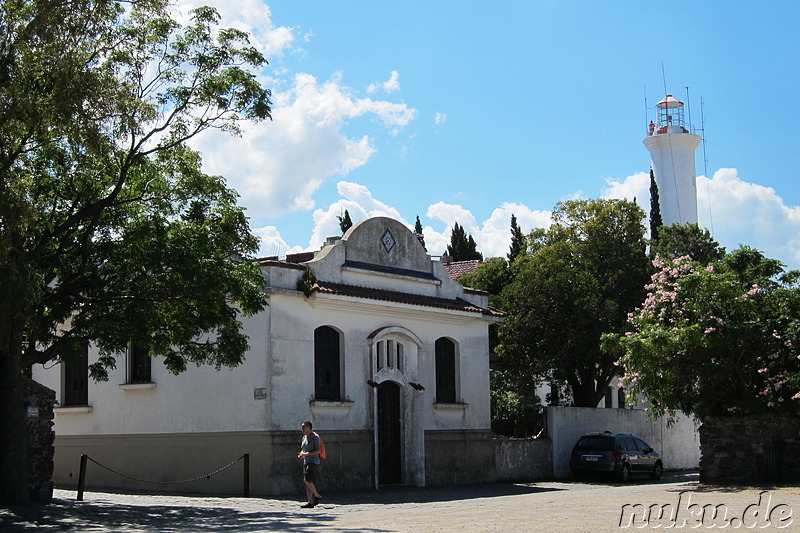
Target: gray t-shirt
x,y
310,446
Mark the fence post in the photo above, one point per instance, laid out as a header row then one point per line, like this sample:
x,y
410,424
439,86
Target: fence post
x,y
246,476
82,477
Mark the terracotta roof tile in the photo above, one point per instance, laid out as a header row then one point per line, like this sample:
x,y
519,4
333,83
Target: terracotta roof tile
x,y
458,268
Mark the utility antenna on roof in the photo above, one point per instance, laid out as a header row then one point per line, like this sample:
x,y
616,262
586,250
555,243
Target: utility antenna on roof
x,y
664,77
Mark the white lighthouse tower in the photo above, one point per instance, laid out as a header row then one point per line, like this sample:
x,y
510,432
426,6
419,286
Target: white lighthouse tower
x,y
672,149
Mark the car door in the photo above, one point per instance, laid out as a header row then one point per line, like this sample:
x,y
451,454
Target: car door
x,y
647,457
632,453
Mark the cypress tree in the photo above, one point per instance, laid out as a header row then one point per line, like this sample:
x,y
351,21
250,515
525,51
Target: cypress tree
x,y
418,231
462,247
517,240
344,222
655,209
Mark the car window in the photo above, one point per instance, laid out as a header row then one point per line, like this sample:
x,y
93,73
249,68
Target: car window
x,y
641,444
602,444
629,444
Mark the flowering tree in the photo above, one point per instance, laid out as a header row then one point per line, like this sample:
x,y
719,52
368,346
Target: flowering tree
x,y
716,340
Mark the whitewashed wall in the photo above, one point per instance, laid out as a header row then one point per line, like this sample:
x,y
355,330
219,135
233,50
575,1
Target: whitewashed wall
x,y
679,445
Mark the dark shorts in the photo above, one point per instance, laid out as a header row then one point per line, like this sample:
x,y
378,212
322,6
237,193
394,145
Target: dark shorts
x,y
311,472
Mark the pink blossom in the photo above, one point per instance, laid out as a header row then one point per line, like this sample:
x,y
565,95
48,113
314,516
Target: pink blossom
x,y
710,269
796,396
710,330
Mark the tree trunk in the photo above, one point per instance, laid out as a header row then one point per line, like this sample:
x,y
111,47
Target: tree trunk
x,y
14,444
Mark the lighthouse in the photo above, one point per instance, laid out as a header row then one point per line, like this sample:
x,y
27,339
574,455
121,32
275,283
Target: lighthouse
x,y
672,147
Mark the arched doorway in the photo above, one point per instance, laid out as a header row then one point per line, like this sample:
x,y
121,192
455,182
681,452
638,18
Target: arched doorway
x,y
390,434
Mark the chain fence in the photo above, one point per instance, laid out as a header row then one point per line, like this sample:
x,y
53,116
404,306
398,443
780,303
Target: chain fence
x,y
85,458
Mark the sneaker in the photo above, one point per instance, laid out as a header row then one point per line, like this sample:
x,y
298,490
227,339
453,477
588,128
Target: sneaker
x,y
317,499
307,505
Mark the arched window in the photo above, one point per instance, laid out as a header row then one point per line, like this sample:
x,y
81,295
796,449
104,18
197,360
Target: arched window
x,y
445,371
327,384
621,398
609,397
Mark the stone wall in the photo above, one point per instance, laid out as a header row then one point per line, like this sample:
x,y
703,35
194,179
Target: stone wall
x,y
39,401
750,450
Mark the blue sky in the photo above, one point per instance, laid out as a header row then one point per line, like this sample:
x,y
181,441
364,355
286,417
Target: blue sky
x,y
470,111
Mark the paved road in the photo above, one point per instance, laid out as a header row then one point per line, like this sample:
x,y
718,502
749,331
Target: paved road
x,y
511,508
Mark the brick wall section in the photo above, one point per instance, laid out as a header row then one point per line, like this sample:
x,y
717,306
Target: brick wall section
x,y
750,450
39,401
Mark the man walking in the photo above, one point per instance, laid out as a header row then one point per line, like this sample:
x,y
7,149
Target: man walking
x,y
309,451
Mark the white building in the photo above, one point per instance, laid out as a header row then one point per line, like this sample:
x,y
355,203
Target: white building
x,y
672,151
383,352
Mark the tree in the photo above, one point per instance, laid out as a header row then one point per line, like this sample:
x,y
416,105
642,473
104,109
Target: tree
x,y
719,340
517,240
462,247
578,280
678,240
109,231
655,210
344,222
418,233
491,276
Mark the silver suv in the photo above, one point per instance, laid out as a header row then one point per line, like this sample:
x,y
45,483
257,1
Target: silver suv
x,y
621,454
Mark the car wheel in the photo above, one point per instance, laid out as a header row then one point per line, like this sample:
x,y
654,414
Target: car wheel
x,y
657,471
624,473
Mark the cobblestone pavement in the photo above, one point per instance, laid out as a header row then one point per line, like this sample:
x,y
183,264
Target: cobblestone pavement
x,y
594,506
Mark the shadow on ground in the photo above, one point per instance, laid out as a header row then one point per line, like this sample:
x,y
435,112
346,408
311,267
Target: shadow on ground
x,y
71,515
104,512
398,495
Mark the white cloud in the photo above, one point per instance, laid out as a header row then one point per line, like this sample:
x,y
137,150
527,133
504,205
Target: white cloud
x,y
439,118
252,16
359,202
633,187
389,86
272,243
493,236
739,212
277,166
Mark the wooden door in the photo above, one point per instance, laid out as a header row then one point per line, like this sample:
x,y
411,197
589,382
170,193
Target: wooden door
x,y
390,438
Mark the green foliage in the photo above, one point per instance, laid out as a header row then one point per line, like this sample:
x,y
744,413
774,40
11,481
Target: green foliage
x,y
517,240
716,340
462,247
344,222
491,276
306,282
109,221
512,400
577,280
655,210
418,232
679,240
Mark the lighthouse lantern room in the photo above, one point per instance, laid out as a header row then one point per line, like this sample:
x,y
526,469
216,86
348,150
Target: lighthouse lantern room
x,y
672,150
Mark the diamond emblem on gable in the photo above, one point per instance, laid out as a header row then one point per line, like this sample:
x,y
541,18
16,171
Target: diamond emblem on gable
x,y
388,240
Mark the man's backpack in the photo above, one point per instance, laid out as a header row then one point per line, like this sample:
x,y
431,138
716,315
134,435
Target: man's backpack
x,y
323,450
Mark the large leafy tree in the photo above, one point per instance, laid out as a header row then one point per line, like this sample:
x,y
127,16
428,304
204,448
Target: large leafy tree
x,y
679,240
109,231
722,339
578,280
462,246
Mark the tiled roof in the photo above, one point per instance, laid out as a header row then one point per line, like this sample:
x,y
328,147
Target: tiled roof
x,y
458,268
456,304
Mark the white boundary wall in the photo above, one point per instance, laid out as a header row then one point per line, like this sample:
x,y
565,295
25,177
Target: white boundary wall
x,y
679,445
